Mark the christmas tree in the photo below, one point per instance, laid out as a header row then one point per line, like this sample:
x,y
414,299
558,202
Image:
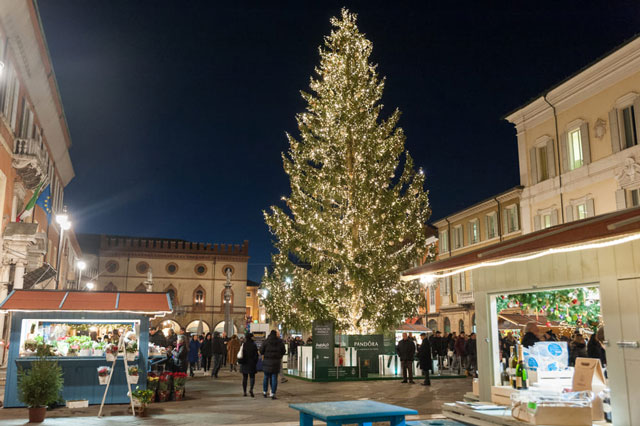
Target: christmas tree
x,y
357,210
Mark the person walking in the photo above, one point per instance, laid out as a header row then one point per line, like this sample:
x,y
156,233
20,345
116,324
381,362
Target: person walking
x,y
232,352
194,351
249,363
157,338
172,338
292,361
273,350
425,360
207,351
181,354
472,355
406,351
460,352
218,351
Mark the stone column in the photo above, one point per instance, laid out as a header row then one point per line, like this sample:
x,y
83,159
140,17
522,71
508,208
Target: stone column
x,y
4,289
18,279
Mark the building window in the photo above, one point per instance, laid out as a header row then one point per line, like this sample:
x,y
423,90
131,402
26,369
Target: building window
x,y
491,225
172,268
461,326
634,197
112,267
461,282
576,158
630,137
444,285
543,163
458,237
141,288
199,297
444,241
172,296
447,325
545,221
474,231
581,211
142,267
511,218
200,269
248,294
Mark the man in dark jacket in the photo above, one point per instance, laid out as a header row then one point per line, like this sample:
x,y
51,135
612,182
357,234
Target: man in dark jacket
x,y
156,337
407,352
472,354
437,350
424,357
218,350
531,334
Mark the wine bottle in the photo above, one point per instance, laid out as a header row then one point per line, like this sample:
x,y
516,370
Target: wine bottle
x,y
521,371
505,379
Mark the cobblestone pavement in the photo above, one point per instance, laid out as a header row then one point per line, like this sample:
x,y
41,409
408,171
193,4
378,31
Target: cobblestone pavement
x,y
220,401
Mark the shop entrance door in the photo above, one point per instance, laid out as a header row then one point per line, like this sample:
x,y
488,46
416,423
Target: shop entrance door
x,y
629,303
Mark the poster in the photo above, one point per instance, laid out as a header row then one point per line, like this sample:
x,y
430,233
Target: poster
x,y
323,343
369,347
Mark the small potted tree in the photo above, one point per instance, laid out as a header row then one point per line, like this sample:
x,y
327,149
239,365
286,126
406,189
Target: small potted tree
x,y
40,385
111,352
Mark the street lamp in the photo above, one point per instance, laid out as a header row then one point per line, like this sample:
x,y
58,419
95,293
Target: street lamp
x,y
63,221
90,285
81,265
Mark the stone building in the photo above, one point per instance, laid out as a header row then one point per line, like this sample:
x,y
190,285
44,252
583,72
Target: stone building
x,y
193,274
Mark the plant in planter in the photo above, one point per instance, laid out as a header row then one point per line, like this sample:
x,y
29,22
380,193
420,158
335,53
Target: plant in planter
x,y
85,347
152,381
39,386
179,380
103,374
111,351
98,348
142,398
164,386
132,350
133,374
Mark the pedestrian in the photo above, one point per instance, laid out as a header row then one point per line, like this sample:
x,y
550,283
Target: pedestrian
x,y
194,351
531,334
249,363
577,349
207,351
273,350
157,338
424,358
292,361
232,352
181,354
460,351
507,343
172,338
595,347
218,351
170,361
406,351
437,347
472,354
225,340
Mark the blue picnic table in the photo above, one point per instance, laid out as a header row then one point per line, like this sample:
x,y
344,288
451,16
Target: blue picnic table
x,y
345,412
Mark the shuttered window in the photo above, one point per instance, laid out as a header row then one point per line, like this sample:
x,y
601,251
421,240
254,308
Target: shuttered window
x,y
511,219
474,231
491,224
575,149
444,241
634,197
458,237
630,137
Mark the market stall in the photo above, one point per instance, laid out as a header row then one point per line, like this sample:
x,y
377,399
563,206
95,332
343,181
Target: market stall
x,y
78,327
602,251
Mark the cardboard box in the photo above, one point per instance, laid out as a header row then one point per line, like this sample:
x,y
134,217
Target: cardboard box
x,y
502,395
553,416
589,376
551,379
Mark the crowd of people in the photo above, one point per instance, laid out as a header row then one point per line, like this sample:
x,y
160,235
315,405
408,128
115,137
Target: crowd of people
x,y
455,352
581,345
210,352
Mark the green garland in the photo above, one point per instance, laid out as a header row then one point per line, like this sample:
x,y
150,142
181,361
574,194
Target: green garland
x,y
573,306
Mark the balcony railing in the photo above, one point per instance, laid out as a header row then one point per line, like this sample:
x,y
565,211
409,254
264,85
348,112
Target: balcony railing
x,y
31,159
465,298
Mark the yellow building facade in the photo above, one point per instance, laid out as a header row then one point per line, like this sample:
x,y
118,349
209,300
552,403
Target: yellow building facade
x,y
578,145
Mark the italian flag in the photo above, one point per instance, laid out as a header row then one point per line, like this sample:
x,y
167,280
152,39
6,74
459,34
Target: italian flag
x,y
32,202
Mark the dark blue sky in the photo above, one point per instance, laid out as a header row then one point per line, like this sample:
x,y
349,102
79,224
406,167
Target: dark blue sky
x,y
177,109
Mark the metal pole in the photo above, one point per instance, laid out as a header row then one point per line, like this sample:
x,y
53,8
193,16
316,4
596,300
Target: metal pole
x,y
59,257
78,287
228,325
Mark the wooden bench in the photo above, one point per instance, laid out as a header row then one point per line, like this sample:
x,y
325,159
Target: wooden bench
x,y
364,413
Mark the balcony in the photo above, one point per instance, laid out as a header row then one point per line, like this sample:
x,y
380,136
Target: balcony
x,y
465,298
30,159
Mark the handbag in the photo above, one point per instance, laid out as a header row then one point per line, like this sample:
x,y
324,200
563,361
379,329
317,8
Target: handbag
x,y
240,351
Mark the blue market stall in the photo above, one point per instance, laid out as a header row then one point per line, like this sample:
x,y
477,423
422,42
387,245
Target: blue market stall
x,y
73,323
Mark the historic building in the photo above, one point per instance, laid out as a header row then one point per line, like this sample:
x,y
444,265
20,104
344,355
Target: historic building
x,y
450,302
578,143
34,156
193,274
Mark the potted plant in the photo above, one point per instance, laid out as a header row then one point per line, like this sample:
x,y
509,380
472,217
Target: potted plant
x,y
111,352
141,399
179,380
103,374
98,348
85,347
131,350
39,386
133,374
164,386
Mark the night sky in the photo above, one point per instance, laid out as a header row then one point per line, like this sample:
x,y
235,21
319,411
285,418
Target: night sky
x,y
178,110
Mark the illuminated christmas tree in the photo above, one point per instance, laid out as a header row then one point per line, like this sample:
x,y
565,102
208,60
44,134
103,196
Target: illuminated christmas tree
x,y
356,214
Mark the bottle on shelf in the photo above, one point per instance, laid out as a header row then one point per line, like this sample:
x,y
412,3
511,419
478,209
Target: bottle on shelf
x,y
513,363
521,371
505,378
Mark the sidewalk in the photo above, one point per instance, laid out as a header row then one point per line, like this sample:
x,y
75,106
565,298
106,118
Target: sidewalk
x,y
211,401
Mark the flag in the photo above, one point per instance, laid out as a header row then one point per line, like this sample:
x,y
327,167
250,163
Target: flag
x,y
44,201
32,202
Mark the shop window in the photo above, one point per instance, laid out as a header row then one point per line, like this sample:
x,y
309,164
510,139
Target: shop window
x,y
172,268
142,267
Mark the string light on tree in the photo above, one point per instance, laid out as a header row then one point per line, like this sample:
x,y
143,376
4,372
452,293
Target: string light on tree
x,y
356,212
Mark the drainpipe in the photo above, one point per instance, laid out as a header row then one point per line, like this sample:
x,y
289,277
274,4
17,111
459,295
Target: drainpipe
x,y
448,235
499,219
555,119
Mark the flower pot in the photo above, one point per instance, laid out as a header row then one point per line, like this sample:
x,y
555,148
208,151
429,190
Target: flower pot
x,y
98,352
37,414
84,352
141,411
163,395
133,379
131,356
178,394
103,379
111,357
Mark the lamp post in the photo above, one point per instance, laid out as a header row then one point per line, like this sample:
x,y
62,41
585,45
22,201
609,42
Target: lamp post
x,y
63,222
228,325
81,265
90,285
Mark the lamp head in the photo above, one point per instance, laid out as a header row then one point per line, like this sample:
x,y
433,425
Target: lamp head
x,y
81,264
90,285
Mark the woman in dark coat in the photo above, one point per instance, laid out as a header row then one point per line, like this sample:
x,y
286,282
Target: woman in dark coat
x,y
207,352
249,363
273,350
194,350
424,358
181,355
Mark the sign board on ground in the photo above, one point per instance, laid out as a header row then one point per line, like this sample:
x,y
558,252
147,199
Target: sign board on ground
x,y
369,347
323,343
